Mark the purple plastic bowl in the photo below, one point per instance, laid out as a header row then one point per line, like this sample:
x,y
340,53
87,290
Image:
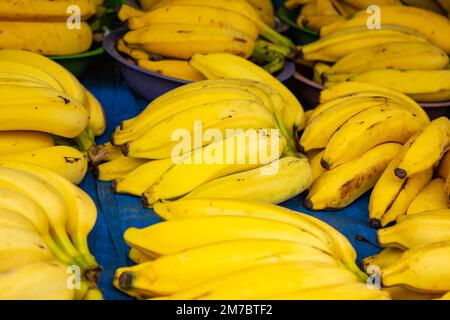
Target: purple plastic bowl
x,y
151,85
309,92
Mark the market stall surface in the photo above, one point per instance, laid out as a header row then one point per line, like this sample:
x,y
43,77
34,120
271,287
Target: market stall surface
x,y
116,213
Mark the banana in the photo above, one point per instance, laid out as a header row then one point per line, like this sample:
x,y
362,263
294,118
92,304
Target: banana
x,y
339,187
343,291
395,55
279,278
14,220
173,273
434,26
172,68
195,208
441,96
17,79
284,179
142,178
315,22
416,230
336,45
266,11
147,4
426,150
444,166
319,69
219,116
97,117
363,4
44,10
126,12
383,259
66,161
316,167
13,142
19,247
407,81
107,152
38,281
138,257
58,40
326,7
402,293
430,262
432,197
195,15
222,65
319,130
117,168
191,233
390,122
133,53
241,151
446,296
308,9
41,109
94,294
391,196
182,41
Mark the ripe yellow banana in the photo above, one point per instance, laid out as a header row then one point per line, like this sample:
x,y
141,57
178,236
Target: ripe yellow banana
x,y
58,40
434,26
390,122
426,150
44,10
133,53
416,230
315,22
11,219
431,97
242,151
319,69
446,296
137,256
142,178
383,259
108,152
117,168
316,167
97,117
432,197
147,4
339,187
19,247
173,273
179,69
66,161
12,142
425,269
126,12
182,41
38,281
397,55
156,240
41,109
266,11
273,183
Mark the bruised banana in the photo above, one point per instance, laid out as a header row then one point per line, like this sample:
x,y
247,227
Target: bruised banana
x,y
432,197
117,168
172,68
339,187
12,142
390,122
273,183
383,259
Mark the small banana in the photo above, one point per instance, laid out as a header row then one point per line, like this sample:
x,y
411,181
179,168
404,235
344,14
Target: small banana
x,y
432,197
12,142
173,68
118,168
383,259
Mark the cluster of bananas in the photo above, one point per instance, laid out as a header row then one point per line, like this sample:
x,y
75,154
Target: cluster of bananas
x,y
352,136
142,159
237,249
46,26
408,54
44,104
163,38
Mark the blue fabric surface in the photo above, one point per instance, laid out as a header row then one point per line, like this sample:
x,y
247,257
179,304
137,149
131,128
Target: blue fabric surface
x,y
118,212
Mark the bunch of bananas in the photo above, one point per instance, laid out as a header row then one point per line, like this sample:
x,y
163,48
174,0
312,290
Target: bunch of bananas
x,y
237,249
162,38
408,54
45,26
237,134
352,136
43,104
44,224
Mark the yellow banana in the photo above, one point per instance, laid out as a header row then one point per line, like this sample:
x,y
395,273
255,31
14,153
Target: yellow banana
x,y
319,69
126,12
12,219
316,167
434,26
390,122
417,230
426,150
273,183
117,168
108,152
142,178
137,256
446,296
58,40
133,53
339,187
182,41
383,259
13,142
432,197
94,294
173,68
315,22
265,10
239,152
97,117
444,166
68,162
402,293
431,97
147,4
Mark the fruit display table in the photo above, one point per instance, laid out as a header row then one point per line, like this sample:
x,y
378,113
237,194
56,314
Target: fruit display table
x,y
116,213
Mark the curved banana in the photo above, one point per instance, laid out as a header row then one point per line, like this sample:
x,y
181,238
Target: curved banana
x,y
390,122
440,96
316,167
383,259
265,9
97,117
12,142
12,219
117,168
426,150
66,161
179,69
339,187
126,12
138,257
432,197
275,182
